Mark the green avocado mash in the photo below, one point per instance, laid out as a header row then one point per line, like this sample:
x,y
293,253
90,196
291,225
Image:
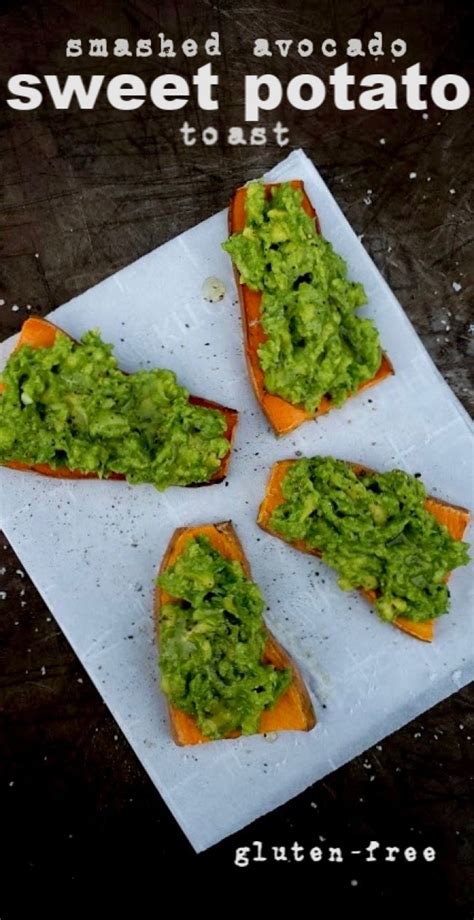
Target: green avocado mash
x,y
315,344
374,530
70,406
212,641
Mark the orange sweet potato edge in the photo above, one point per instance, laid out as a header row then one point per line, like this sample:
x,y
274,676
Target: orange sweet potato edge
x,y
40,333
453,517
293,710
282,415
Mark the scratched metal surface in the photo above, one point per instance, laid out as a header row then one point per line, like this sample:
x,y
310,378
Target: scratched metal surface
x,y
85,193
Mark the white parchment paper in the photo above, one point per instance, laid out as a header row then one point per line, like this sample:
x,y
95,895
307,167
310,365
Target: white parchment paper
x,y
92,548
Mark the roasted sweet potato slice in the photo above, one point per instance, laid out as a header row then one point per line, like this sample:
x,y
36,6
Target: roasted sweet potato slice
x,y
453,517
40,333
293,711
282,415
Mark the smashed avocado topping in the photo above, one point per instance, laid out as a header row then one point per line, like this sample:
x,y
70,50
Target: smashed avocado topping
x,y
315,344
372,528
70,406
212,640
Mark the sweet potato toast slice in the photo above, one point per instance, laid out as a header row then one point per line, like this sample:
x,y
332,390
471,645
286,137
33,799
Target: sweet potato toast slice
x,y
40,333
453,517
282,415
293,711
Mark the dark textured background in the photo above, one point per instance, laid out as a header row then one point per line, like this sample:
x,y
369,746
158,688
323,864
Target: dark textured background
x,y
85,193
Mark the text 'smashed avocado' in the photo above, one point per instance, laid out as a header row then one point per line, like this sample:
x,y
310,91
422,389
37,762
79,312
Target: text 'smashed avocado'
x,y
315,344
70,406
374,529
212,640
